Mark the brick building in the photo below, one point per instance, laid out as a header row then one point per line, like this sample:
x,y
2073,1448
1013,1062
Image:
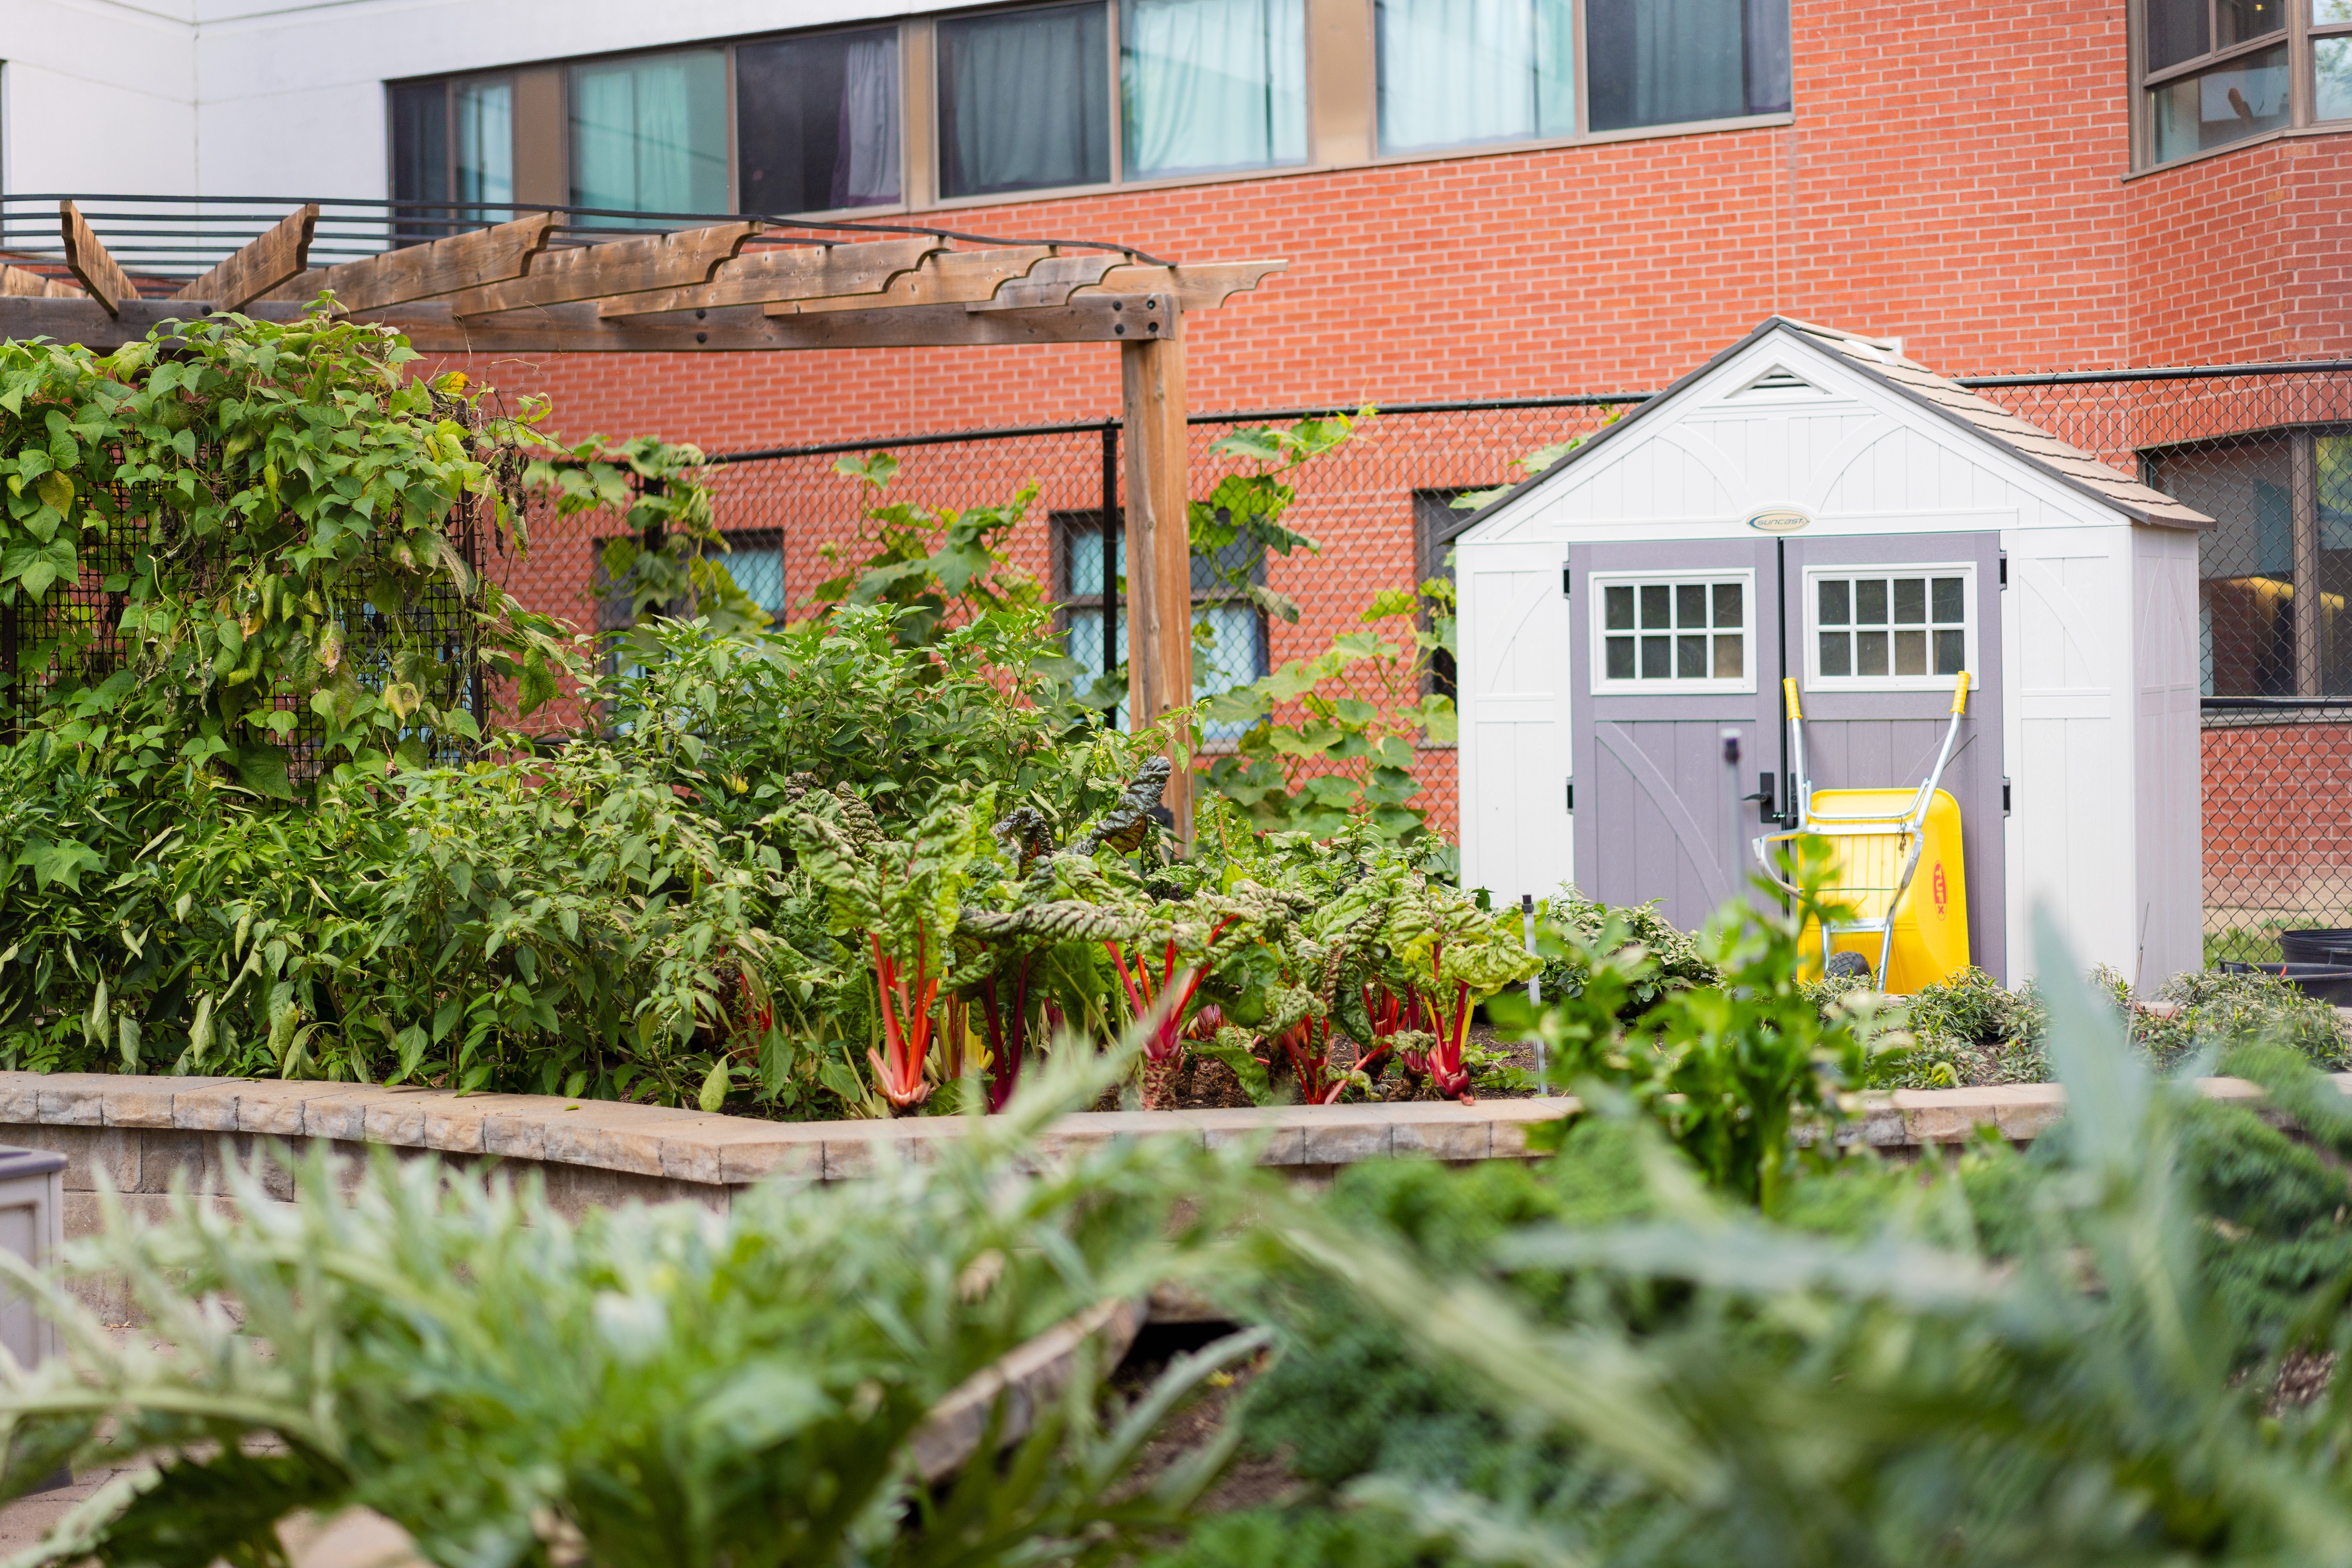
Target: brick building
x,y
1477,199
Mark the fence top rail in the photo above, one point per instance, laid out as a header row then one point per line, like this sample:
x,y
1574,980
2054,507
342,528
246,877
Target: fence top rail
x,y
1491,405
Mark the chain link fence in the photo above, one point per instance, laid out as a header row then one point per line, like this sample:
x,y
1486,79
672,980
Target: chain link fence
x,y
2266,450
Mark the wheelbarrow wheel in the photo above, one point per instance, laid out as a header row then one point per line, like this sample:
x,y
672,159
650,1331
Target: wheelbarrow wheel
x,y
1848,966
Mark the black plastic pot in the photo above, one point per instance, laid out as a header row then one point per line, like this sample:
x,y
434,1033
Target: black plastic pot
x,y
2316,944
2329,983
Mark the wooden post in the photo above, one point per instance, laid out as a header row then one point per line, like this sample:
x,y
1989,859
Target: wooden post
x,y
1159,543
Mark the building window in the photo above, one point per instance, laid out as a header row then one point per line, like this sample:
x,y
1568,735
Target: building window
x,y
1024,99
1229,644
1896,628
1079,567
1209,85
2215,72
452,143
1669,62
1686,633
1434,513
2275,570
754,558
1455,72
649,135
816,121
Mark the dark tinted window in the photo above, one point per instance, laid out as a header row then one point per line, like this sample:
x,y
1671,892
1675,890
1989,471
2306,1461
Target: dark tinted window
x,y
1669,62
816,121
420,153
1024,100
2177,30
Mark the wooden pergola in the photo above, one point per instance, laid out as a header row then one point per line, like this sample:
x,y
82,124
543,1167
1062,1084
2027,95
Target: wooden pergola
x,y
726,288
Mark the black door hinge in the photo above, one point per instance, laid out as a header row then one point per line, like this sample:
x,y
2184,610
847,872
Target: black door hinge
x,y
2005,568
1571,795
2004,798
1564,573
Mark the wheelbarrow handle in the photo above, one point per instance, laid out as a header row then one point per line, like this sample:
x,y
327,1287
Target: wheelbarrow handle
x,y
1960,695
1789,689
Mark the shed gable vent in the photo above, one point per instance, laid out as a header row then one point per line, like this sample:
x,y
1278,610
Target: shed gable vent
x,y
1779,379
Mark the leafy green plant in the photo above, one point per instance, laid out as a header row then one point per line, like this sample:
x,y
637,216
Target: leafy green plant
x,y
930,567
644,1386
278,521
1715,1385
1362,711
1729,1071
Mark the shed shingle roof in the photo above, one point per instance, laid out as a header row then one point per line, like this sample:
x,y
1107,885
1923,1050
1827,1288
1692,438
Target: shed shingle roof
x,y
1883,359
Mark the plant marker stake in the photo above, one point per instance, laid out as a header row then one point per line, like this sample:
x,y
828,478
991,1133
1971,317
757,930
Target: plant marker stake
x,y
1535,981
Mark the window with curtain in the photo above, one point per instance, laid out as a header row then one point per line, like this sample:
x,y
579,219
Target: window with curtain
x,y
1459,71
649,135
482,119
1670,62
816,121
1024,99
1213,84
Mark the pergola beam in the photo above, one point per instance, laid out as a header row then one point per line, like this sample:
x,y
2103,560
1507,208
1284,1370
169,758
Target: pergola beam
x,y
798,272
686,259
426,271
267,261
432,326
88,261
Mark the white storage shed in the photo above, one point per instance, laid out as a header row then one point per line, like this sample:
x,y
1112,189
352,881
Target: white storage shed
x,y
1811,503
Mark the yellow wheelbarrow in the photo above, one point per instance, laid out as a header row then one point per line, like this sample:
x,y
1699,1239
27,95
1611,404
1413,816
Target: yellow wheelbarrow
x,y
1894,860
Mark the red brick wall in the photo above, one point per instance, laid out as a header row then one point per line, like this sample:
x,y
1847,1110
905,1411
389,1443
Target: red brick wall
x,y
1953,177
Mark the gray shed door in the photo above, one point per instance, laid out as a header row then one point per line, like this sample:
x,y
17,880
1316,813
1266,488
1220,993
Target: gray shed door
x,y
1873,739
1657,808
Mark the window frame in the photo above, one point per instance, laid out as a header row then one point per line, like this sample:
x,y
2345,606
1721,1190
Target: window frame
x,y
1598,682
2299,36
1970,626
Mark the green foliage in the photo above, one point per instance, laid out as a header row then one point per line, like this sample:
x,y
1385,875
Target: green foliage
x,y
1241,523
1671,957
1971,1031
641,1386
659,495
930,568
1730,1071
1714,1385
279,502
1361,713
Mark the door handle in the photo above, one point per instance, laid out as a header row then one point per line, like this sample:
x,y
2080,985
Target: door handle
x,y
1763,796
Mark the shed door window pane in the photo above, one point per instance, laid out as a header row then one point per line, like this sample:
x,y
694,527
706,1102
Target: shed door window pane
x,y
1896,627
1458,71
650,135
816,121
483,112
1667,62
1213,84
2215,108
1024,100
1675,631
